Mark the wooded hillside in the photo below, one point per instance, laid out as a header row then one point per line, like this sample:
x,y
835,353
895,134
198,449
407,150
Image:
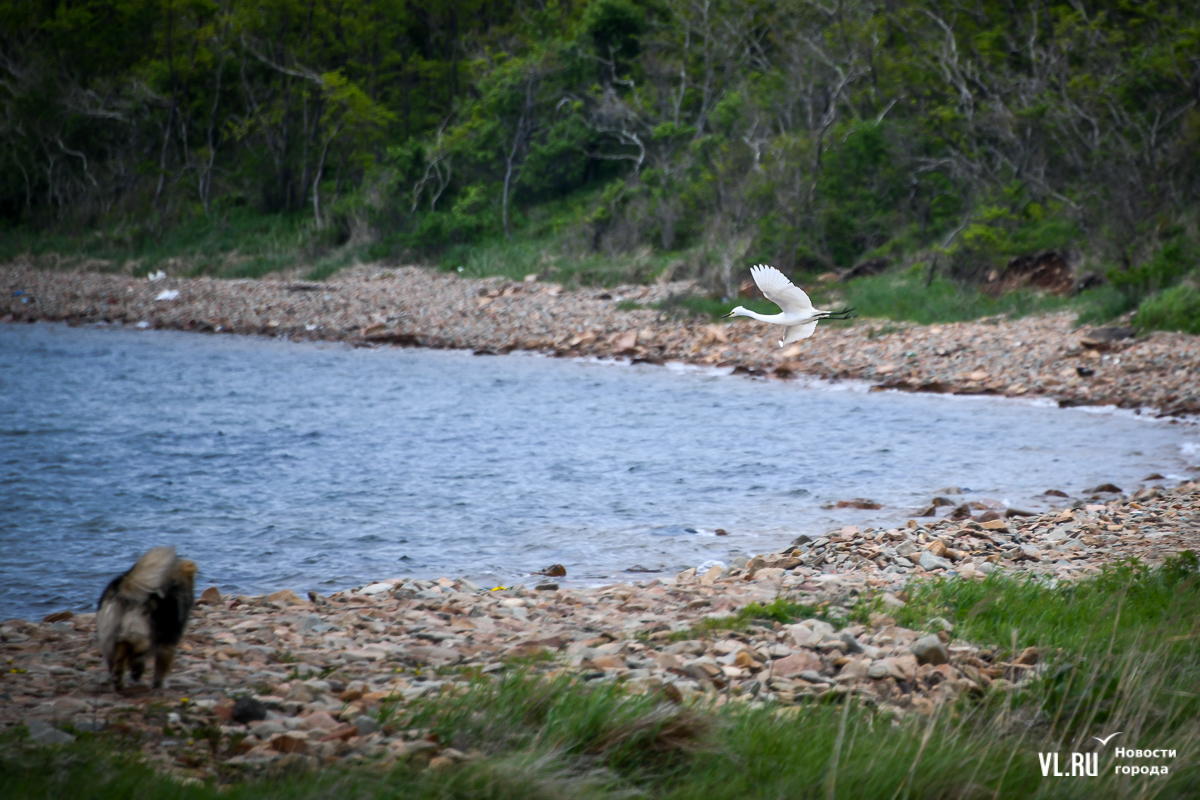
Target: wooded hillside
x,y
812,134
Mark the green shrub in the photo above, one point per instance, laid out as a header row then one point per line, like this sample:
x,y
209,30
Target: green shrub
x,y
1175,309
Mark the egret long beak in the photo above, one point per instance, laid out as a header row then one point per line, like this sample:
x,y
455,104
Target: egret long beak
x,y
727,316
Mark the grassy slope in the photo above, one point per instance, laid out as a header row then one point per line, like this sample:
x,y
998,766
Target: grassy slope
x,y
241,243
1124,656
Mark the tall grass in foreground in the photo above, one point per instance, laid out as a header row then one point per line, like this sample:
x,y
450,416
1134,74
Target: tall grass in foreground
x,y
1121,654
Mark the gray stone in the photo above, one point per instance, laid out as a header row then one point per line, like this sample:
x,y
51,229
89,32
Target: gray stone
x,y
852,645
812,676
891,602
313,623
690,647
1031,552
930,650
366,725
44,733
89,725
268,728
906,548
884,669
853,670
931,562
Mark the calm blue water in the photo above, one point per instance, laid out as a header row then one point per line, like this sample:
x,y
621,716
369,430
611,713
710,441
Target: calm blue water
x,y
275,464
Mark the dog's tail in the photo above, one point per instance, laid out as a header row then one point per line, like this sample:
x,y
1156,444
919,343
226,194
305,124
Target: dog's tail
x,y
149,575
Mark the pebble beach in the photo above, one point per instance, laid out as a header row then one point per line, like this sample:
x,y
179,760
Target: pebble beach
x,y
284,681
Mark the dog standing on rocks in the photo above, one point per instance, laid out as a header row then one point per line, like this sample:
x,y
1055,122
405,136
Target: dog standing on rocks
x,y
145,611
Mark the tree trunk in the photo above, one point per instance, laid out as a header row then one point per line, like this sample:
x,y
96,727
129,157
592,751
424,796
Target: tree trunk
x,y
316,184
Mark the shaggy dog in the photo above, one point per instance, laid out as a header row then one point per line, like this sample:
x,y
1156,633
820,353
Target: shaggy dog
x,y
144,611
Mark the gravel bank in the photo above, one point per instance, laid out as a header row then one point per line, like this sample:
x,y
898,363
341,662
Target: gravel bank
x,y
317,672
375,306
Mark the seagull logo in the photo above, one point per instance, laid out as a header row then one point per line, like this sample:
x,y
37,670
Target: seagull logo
x,y
1106,739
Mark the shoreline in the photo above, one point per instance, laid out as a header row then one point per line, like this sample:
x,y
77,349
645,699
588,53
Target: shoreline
x,y
322,674
370,306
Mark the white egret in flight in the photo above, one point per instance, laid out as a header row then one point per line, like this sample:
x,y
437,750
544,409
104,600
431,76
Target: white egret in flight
x,y
798,315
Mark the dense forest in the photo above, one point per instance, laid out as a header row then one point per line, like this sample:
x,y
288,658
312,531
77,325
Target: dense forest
x,y
812,134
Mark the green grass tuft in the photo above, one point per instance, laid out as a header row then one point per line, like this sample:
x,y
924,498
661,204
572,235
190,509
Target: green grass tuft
x,y
1174,309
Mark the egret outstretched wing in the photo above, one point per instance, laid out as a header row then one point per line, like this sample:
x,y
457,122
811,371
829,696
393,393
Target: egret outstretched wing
x,y
779,290
797,332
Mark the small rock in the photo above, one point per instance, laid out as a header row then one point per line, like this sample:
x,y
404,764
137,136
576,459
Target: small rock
x,y
268,728
546,587
89,725
858,502
321,721
883,668
795,664
341,733
931,562
930,650
939,549
853,670
58,616
852,644
286,596
366,725
553,571
286,743
210,597
247,710
609,662
1028,552
44,733
890,602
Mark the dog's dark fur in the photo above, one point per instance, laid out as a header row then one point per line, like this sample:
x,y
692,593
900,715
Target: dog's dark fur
x,y
145,611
